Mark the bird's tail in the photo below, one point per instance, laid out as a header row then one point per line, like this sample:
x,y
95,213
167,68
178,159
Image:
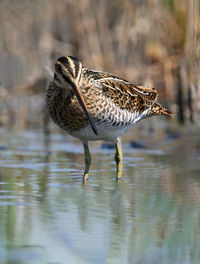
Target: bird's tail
x,y
158,109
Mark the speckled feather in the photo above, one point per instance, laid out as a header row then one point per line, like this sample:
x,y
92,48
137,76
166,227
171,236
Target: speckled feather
x,y
112,102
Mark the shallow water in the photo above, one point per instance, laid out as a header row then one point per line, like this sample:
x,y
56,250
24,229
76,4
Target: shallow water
x,y
47,215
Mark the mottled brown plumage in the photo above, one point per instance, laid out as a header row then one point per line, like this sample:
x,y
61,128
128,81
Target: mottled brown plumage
x,y
93,105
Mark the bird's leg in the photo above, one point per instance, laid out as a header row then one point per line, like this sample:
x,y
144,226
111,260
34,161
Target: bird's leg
x,y
118,159
87,160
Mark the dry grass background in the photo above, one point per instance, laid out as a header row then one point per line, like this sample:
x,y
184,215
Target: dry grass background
x,y
150,42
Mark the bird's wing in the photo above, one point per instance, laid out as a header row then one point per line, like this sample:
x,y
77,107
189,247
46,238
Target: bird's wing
x,y
125,94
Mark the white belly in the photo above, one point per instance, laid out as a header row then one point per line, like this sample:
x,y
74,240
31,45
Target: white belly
x,y
105,132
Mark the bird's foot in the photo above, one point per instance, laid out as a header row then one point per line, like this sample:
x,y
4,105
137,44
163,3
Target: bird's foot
x,y
119,173
85,177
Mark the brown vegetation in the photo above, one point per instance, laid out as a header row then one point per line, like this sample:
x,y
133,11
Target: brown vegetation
x,y
151,42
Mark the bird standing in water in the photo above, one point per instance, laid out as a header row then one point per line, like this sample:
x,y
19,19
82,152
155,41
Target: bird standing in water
x,y
95,105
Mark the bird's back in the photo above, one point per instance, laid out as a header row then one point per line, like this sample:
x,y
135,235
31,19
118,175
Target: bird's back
x,y
117,102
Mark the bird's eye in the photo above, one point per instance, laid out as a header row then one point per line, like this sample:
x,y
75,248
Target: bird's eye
x,y
58,68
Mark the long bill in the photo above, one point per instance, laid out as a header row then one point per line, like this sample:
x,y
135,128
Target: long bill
x,y
83,104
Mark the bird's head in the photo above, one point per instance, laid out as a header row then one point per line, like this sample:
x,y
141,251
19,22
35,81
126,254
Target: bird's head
x,y
67,70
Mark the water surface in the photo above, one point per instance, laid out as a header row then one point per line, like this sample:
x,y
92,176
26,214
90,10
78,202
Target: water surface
x,y
47,215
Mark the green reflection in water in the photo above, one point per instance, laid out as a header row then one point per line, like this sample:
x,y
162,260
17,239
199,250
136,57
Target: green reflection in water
x,y
48,216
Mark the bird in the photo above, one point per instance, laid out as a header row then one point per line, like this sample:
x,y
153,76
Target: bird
x,y
95,105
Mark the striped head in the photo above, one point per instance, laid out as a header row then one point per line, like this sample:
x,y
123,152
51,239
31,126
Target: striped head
x,y
67,69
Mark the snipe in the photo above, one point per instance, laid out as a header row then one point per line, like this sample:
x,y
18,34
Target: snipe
x,y
95,105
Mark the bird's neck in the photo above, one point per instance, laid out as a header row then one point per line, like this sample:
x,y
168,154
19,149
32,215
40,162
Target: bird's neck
x,y
57,95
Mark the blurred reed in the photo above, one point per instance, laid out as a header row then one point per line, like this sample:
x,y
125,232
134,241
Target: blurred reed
x,y
150,42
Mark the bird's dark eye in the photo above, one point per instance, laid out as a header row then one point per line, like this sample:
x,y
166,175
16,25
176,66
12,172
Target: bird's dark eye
x,y
58,68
